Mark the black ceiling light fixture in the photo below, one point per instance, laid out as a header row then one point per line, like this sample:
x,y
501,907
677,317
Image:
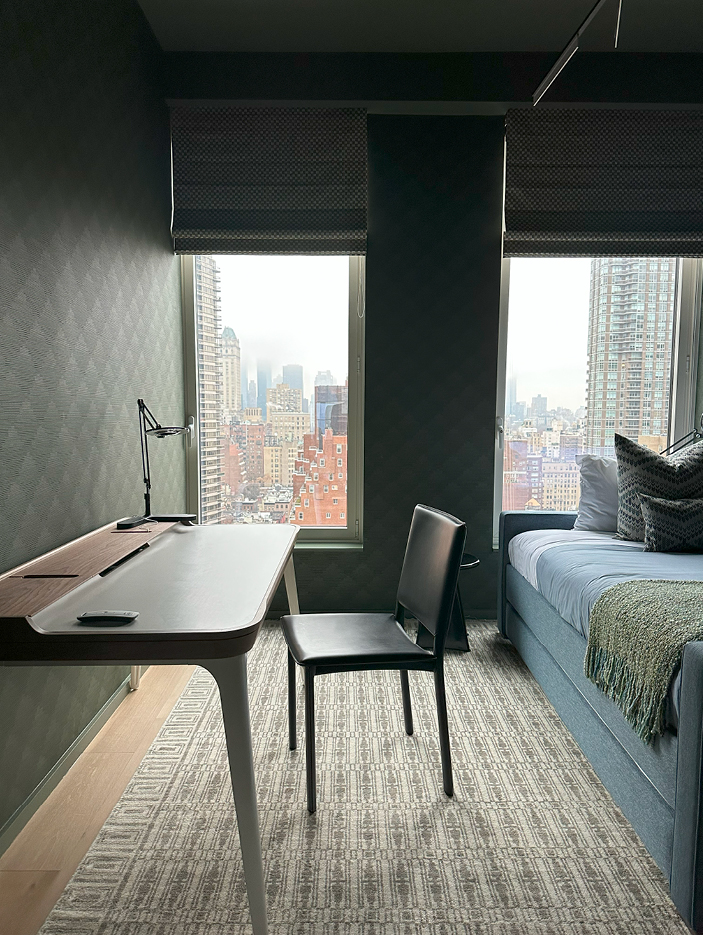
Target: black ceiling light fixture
x,y
571,49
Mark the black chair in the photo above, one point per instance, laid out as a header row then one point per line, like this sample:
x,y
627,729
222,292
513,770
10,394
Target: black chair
x,y
323,643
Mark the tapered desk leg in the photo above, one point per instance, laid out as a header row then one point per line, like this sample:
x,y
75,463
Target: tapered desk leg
x,y
134,678
231,678
291,587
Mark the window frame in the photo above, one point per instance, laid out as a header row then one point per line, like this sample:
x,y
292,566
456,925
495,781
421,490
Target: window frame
x,y
351,535
684,365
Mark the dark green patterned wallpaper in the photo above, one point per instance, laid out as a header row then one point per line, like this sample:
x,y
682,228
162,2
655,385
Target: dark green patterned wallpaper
x,y
432,300
89,319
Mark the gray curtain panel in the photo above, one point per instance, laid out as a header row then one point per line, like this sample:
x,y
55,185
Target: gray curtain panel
x,y
604,183
269,180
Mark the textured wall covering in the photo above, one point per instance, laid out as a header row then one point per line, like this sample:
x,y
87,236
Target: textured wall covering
x,y
433,278
89,318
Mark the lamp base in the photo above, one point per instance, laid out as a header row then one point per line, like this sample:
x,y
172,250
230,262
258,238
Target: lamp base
x,y
186,518
131,521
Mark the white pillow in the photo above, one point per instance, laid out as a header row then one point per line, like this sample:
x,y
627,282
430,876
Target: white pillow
x,y
598,506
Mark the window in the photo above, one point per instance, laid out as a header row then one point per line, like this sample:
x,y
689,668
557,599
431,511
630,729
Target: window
x,y
568,321
276,382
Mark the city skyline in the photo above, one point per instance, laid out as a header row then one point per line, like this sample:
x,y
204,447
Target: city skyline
x,y
625,387
287,310
267,453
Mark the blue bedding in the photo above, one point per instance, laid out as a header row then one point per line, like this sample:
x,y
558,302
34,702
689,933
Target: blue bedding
x,y
571,569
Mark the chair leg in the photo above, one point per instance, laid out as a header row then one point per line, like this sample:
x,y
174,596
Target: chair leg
x,y
447,780
407,709
310,737
292,740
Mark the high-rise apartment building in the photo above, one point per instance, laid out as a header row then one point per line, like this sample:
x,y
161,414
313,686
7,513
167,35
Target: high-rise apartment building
x,y
289,425
207,310
630,326
283,398
279,461
231,373
560,485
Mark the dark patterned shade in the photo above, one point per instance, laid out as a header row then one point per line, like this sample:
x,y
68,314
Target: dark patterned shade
x,y
604,183
269,180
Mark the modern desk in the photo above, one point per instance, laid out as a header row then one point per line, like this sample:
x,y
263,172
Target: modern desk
x,y
202,593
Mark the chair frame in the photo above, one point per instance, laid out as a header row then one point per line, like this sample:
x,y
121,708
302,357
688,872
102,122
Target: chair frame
x,y
433,663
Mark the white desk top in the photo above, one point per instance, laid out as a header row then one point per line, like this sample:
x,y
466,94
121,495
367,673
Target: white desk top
x,y
191,580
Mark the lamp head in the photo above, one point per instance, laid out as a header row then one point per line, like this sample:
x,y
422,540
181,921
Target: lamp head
x,y
161,431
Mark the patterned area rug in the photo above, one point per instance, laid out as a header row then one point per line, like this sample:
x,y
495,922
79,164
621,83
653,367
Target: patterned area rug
x,y
531,844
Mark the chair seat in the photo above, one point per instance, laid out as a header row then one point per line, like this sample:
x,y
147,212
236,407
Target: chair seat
x,y
353,639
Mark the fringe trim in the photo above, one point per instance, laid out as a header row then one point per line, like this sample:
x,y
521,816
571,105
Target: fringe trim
x,y
643,708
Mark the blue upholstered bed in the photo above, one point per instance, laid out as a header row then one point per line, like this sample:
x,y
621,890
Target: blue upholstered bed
x,y
660,787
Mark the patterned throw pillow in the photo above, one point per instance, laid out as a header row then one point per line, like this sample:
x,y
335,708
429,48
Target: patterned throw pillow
x,y
672,525
642,471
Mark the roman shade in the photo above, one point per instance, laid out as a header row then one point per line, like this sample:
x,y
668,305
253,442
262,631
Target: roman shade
x,y
269,180
603,183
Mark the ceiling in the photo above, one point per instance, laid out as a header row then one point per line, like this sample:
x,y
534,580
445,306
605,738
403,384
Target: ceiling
x,y
420,25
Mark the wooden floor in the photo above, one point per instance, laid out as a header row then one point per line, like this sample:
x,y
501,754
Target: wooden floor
x,y
41,860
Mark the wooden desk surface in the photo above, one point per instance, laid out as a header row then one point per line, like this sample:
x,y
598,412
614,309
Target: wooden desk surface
x,y
201,592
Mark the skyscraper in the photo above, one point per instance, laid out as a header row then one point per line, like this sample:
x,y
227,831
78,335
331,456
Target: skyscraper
x,y
263,382
293,376
511,395
630,325
231,373
538,411
207,311
324,378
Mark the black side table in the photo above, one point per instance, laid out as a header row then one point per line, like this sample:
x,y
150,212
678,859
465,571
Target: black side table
x,y
456,635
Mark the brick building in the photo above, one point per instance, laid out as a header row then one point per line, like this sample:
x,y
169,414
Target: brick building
x,y
320,481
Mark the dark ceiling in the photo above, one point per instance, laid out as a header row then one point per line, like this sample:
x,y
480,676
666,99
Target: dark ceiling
x,y
420,25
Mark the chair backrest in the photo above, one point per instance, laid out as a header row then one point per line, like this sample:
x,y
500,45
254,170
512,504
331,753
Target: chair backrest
x,y
431,569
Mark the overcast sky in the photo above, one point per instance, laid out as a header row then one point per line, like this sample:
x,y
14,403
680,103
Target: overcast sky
x,y
288,310
294,310
548,329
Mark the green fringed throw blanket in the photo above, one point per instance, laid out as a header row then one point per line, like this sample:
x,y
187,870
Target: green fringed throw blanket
x,y
638,630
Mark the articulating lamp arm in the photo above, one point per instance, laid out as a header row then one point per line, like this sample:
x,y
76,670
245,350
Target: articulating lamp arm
x,y
145,421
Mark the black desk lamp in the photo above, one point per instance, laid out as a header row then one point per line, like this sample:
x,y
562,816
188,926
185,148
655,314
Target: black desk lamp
x,y
148,425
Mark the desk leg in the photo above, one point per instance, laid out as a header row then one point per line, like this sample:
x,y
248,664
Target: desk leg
x,y
134,678
291,587
231,677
